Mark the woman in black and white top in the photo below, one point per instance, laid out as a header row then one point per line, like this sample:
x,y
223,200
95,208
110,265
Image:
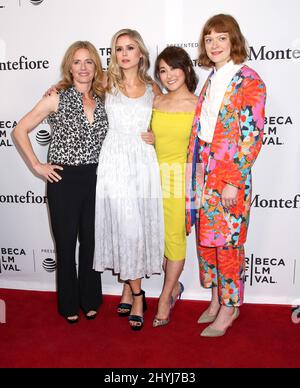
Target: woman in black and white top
x,y
79,124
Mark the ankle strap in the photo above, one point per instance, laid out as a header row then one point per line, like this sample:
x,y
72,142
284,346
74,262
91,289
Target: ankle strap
x,y
139,293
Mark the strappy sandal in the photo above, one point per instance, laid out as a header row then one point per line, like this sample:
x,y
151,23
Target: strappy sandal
x,y
137,318
157,322
124,309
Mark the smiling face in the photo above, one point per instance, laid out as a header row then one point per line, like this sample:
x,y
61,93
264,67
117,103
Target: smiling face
x,y
171,78
82,67
128,53
218,48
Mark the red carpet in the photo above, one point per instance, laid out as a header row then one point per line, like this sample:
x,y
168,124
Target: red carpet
x,y
36,336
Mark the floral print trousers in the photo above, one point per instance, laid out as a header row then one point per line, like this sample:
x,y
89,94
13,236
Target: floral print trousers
x,y
223,267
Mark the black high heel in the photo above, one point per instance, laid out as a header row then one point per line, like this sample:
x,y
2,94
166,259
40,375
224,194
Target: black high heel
x,y
126,307
137,318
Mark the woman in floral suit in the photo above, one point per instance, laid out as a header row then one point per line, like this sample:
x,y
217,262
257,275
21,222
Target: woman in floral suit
x,y
225,140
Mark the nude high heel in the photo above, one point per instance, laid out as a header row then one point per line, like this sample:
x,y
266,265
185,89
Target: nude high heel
x,y
157,322
211,332
206,318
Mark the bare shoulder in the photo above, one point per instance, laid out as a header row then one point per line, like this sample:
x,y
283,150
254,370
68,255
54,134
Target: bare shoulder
x,y
158,101
52,101
40,111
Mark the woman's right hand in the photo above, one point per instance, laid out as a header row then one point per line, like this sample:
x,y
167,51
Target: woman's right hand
x,y
51,90
148,137
229,196
48,172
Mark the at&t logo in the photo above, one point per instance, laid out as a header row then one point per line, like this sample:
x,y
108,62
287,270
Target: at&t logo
x,y
33,2
36,2
43,137
49,265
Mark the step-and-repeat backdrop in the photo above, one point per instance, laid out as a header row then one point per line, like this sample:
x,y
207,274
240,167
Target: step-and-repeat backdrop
x,y
34,35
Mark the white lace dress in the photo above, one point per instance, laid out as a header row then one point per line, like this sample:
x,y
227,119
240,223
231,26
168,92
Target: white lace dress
x,y
129,230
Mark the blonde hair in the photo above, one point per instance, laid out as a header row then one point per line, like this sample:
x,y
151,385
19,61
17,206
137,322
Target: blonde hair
x,y
115,73
67,77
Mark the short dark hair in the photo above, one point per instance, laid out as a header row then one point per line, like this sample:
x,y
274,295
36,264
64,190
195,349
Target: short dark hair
x,y
224,23
178,58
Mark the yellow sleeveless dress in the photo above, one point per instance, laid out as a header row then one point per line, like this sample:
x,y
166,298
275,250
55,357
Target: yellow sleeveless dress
x,y
172,133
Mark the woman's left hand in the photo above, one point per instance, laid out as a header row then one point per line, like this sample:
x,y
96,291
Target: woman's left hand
x,y
229,196
148,137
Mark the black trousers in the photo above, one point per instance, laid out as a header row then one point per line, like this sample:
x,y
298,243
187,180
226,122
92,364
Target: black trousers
x,y
72,212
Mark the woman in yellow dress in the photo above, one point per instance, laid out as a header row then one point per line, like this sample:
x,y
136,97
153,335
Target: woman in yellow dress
x,y
172,118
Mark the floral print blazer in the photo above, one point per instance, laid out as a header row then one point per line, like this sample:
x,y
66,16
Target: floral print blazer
x,y
236,143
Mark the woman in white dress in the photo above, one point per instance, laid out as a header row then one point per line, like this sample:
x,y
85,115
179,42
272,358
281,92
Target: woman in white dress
x,y
129,213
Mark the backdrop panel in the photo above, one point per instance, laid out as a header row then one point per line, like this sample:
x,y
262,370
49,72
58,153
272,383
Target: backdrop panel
x,y
34,35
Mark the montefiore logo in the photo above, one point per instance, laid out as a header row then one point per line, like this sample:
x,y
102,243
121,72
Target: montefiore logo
x,y
43,137
264,54
49,265
23,63
28,198
280,203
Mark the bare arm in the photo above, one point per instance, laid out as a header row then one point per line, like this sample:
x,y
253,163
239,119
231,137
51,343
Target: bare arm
x,y
148,136
43,108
